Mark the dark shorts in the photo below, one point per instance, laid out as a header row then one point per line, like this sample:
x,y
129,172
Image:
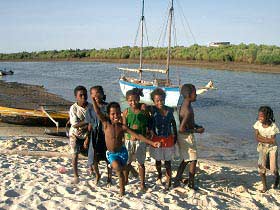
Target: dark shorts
x,y
77,145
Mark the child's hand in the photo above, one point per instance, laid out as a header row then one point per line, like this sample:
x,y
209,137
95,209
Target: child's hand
x,y
156,144
200,130
133,138
89,127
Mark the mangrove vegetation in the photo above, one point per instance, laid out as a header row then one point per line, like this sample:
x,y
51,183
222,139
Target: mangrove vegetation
x,y
242,53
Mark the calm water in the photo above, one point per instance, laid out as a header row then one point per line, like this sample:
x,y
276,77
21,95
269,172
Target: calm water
x,y
227,113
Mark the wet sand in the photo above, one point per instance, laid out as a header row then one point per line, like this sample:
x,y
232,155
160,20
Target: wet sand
x,y
24,96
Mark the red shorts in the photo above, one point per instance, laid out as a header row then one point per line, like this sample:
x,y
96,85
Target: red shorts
x,y
165,141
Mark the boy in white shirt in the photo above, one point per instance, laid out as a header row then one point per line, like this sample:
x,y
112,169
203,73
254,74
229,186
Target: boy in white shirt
x,y
78,131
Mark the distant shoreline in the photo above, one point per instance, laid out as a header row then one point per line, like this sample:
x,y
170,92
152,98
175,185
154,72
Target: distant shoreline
x,y
231,66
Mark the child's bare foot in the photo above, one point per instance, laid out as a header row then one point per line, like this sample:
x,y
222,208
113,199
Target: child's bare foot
x,y
122,192
75,180
159,181
97,178
185,181
90,172
263,190
143,188
168,184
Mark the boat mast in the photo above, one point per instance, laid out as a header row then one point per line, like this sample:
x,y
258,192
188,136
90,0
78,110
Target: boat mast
x,y
171,11
141,45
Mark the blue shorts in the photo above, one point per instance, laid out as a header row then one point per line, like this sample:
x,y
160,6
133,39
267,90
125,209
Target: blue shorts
x,y
120,156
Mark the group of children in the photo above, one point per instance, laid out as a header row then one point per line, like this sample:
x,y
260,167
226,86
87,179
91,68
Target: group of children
x,y
119,138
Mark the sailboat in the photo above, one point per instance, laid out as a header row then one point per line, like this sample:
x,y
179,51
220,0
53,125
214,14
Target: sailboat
x,y
172,91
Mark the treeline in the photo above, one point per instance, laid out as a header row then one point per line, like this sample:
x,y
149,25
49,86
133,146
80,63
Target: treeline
x,y
251,54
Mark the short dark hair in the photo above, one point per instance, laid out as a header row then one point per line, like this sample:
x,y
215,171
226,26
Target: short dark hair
x,y
135,91
99,89
268,114
158,91
113,105
186,90
79,88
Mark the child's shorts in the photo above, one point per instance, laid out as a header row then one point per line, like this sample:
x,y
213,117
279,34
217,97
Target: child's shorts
x,y
76,145
187,147
268,156
120,156
136,151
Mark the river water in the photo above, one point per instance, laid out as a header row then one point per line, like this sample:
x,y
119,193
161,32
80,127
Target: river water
x,y
227,113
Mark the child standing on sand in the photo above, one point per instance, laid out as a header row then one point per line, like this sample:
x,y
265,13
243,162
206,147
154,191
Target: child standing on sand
x,y
137,120
186,138
114,131
265,133
78,130
164,131
96,142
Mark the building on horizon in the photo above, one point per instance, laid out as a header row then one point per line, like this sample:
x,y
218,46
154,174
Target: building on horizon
x,y
218,44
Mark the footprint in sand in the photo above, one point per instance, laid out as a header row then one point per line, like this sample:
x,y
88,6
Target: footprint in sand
x,y
64,190
11,193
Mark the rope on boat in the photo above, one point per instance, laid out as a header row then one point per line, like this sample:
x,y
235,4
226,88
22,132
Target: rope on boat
x,y
46,113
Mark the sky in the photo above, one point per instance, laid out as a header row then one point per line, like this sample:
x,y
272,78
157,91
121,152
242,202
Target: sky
x,y
36,25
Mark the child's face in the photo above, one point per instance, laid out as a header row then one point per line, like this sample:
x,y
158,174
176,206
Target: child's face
x,y
159,101
261,117
115,115
81,96
133,101
97,95
193,95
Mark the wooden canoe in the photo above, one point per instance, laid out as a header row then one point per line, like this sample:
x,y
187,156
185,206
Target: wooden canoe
x,y
32,117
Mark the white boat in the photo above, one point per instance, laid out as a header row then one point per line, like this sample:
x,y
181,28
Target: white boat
x,y
172,91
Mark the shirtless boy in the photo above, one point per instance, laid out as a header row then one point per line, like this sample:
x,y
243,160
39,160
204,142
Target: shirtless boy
x,y
114,131
186,139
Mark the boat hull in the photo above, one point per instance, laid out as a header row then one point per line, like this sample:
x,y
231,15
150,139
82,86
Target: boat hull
x,y
172,93
31,117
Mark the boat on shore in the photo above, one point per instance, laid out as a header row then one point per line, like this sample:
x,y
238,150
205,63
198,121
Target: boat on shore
x,y
172,90
33,117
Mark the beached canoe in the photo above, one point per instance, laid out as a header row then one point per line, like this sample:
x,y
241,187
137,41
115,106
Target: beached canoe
x,y
32,117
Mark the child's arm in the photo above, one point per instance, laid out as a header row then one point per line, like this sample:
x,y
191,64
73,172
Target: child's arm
x,y
97,110
174,127
86,142
140,137
124,115
184,122
81,125
74,121
262,139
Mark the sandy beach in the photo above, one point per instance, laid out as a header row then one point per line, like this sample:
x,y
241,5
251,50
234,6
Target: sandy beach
x,y
32,164
33,181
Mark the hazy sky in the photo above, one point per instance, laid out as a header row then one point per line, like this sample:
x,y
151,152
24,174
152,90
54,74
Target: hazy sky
x,y
35,25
